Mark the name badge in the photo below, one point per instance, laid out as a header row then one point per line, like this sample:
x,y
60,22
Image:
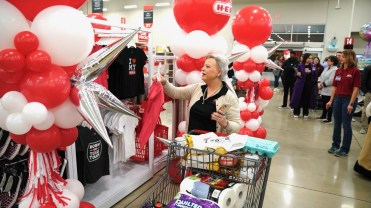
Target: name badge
x,y
338,78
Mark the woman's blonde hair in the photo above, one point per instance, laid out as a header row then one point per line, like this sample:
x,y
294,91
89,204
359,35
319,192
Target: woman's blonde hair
x,y
350,58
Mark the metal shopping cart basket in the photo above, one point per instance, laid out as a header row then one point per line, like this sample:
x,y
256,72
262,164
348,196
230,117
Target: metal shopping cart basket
x,y
238,166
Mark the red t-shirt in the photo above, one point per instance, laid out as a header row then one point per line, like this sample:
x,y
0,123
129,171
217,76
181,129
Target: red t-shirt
x,y
346,79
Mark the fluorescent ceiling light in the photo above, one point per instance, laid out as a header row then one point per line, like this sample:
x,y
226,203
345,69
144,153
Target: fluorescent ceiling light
x,y
162,4
105,9
134,6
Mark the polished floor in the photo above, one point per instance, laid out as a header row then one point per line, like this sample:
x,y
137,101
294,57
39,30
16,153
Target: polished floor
x,y
303,174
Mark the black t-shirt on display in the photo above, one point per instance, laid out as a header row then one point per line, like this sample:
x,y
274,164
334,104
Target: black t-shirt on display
x,y
126,79
200,112
91,155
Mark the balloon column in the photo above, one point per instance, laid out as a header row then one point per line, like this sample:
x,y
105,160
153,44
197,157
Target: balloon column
x,y
199,21
251,27
39,105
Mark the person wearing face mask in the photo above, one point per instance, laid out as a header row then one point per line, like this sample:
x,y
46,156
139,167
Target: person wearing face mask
x,y
303,95
345,88
205,100
324,85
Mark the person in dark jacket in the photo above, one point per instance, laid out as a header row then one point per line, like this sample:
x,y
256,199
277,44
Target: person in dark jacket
x,y
288,76
303,94
366,89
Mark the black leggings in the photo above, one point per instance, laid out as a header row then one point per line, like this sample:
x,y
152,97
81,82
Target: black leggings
x,y
326,113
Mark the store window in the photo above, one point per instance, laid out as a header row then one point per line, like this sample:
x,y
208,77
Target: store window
x,y
298,33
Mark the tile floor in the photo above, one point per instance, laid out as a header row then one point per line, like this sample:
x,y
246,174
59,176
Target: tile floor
x,y
302,174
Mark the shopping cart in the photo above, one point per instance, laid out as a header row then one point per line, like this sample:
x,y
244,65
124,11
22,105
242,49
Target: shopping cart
x,y
238,166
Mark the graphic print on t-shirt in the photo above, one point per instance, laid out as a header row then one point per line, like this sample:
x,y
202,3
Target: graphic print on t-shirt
x,y
94,151
132,65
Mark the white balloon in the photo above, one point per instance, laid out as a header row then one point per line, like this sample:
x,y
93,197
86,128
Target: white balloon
x,y
251,107
242,75
74,201
177,44
13,101
26,202
76,187
180,77
260,120
182,126
263,103
66,115
243,106
3,116
65,33
49,121
17,124
219,45
34,113
260,108
12,22
193,77
237,48
242,99
252,124
197,44
259,54
254,76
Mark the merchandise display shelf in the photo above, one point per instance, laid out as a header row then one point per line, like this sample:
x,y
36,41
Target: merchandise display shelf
x,y
123,180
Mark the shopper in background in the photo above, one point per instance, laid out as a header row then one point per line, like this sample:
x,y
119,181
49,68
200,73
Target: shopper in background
x,y
345,88
303,95
366,89
338,56
205,100
325,85
318,66
324,64
277,72
288,77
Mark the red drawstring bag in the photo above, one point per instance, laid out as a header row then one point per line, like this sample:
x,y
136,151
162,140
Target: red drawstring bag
x,y
151,113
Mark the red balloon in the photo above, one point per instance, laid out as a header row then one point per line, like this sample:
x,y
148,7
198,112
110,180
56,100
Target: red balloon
x,y
209,16
255,114
252,26
249,65
69,136
11,60
237,66
245,115
44,141
31,8
266,93
19,139
249,84
261,112
186,63
74,96
26,42
260,133
260,67
246,131
50,88
70,70
199,63
86,205
38,61
6,87
98,16
265,82
11,77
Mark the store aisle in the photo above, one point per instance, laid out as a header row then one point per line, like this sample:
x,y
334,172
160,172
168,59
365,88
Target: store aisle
x,y
302,174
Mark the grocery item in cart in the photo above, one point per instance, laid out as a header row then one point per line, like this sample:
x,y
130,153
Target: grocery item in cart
x,y
261,146
184,200
211,140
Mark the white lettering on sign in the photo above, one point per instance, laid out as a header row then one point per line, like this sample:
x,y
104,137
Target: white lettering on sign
x,y
349,41
224,8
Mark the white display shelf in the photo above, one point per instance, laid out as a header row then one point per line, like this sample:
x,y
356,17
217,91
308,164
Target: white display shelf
x,y
123,180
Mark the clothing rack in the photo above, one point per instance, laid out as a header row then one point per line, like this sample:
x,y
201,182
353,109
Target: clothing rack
x,y
109,190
